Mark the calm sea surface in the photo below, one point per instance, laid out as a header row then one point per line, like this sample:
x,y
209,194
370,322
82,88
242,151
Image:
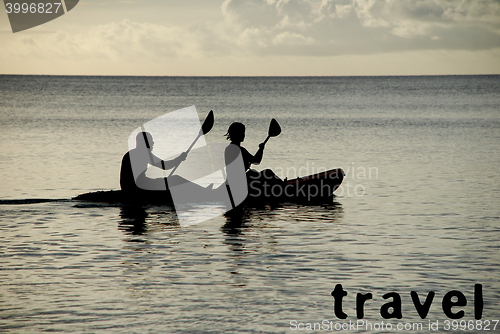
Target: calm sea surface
x,y
419,209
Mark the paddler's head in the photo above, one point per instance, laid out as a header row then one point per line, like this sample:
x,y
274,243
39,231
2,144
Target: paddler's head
x,y
144,139
236,132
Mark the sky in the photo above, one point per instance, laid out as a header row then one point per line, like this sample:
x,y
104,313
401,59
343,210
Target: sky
x,y
260,38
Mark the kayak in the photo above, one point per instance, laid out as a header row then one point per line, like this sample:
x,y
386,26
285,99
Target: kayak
x,y
123,197
309,189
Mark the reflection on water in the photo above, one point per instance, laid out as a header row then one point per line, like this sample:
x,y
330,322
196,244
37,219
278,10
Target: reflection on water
x,y
134,219
245,218
137,220
242,217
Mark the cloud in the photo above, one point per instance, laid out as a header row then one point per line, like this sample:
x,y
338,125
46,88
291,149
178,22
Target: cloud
x,y
363,26
312,28
116,40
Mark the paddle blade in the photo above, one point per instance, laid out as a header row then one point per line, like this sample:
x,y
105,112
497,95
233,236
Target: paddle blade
x,y
274,128
208,123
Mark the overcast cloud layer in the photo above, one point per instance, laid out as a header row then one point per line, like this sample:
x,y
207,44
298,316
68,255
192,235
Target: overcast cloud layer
x,y
362,26
309,28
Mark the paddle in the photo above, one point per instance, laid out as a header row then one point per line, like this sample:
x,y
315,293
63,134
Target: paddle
x,y
205,128
274,130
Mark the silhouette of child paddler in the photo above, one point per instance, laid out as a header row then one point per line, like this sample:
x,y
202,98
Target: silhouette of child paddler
x,y
259,183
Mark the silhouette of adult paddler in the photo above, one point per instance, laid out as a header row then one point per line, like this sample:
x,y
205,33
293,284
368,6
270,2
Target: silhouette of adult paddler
x,y
259,183
135,165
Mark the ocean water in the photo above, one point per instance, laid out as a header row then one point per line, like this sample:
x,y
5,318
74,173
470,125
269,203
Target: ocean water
x,y
419,209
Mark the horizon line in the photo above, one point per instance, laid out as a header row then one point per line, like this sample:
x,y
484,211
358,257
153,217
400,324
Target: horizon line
x,y
249,76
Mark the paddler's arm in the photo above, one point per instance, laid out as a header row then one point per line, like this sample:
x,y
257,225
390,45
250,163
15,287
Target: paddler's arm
x,y
257,158
168,164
